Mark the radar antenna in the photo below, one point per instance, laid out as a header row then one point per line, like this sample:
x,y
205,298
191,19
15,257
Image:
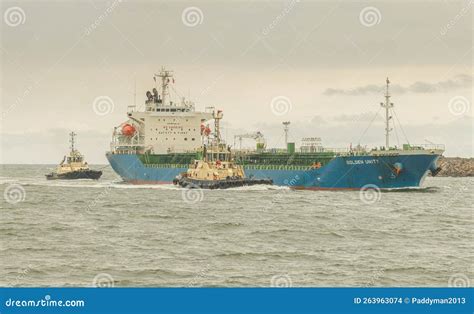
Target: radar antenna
x,y
165,76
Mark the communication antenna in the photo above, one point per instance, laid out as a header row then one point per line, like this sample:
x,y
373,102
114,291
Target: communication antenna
x,y
387,105
135,93
286,128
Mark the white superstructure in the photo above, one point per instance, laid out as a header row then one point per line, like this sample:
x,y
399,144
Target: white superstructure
x,y
165,126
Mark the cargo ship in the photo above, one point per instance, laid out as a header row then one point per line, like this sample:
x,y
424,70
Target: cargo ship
x,y
157,143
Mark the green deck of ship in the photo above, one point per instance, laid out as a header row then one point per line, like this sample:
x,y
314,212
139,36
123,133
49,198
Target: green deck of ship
x,y
264,160
284,159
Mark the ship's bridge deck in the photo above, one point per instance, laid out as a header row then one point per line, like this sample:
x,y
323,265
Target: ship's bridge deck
x,y
162,109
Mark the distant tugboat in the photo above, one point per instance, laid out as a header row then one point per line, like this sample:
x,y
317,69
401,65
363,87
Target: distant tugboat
x,y
216,168
73,166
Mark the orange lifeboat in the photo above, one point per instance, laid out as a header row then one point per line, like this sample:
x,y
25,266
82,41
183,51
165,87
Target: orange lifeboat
x,y
128,130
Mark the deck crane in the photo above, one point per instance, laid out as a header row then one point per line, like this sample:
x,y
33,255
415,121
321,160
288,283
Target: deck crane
x,y
257,136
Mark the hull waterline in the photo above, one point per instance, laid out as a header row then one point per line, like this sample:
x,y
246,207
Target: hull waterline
x,y
344,172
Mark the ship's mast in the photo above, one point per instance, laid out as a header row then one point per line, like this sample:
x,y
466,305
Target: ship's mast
x,y
217,136
387,105
135,94
165,80
72,135
286,128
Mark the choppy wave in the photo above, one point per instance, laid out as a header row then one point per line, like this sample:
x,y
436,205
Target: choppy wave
x,y
67,232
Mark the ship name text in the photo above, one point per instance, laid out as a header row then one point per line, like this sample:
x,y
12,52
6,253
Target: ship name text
x,y
362,162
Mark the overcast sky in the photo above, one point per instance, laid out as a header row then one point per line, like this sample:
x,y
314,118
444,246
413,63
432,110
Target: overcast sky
x,y
323,63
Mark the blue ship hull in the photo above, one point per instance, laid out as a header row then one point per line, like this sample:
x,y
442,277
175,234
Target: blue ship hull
x,y
343,172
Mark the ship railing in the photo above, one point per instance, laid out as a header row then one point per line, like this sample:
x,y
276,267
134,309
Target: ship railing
x,y
352,153
244,151
120,140
125,152
336,150
167,166
423,147
129,143
118,147
345,151
278,167
135,108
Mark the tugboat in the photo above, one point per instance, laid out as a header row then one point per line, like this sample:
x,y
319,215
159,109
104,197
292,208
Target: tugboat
x,y
73,166
216,168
